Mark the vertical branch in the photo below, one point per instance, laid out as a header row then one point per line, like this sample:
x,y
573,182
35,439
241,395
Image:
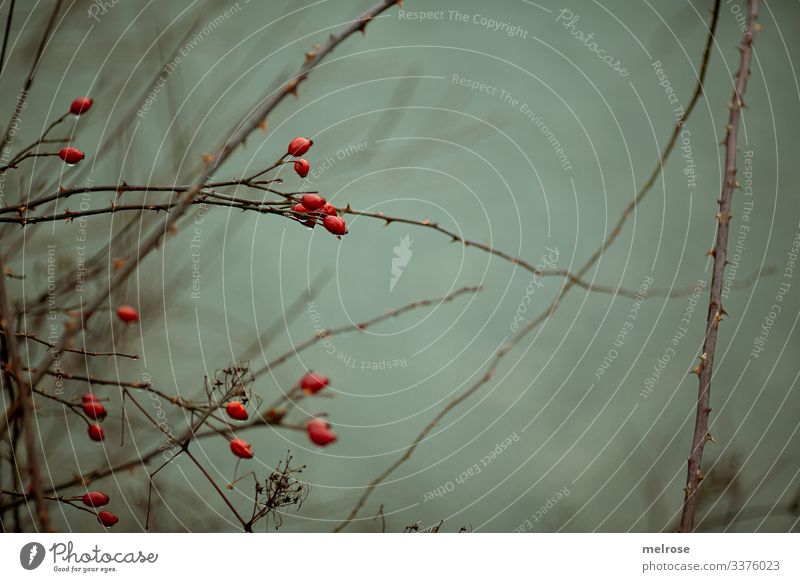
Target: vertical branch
x,y
14,368
6,35
716,311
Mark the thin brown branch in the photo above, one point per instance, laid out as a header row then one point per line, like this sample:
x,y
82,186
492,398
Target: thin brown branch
x,y
93,380
20,155
326,333
17,161
716,311
246,525
35,338
580,282
69,215
6,35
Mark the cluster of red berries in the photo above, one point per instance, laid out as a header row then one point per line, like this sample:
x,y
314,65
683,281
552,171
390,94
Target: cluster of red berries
x,y
314,204
95,499
94,409
239,447
318,430
72,155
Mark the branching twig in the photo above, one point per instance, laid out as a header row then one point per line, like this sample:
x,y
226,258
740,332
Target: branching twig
x,y
326,333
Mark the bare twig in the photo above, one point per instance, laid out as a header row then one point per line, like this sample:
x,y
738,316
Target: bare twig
x,y
326,333
37,339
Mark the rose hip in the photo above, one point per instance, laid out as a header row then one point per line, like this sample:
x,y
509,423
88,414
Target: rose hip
x,y
242,449
71,155
80,105
95,499
236,410
313,383
96,432
299,145
301,166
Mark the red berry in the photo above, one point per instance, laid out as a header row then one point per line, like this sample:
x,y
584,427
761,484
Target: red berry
x,y
242,448
96,432
95,499
313,383
313,201
80,105
89,397
71,155
335,225
299,145
236,410
319,432
301,166
94,410
127,313
328,209
107,518
310,222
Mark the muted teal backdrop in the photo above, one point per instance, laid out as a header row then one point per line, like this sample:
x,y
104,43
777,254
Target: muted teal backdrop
x,y
500,121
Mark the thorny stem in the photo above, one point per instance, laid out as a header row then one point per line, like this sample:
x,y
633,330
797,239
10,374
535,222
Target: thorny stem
x,y
719,253
37,339
120,189
672,293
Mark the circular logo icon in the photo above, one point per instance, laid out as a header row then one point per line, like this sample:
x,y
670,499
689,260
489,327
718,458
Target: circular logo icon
x,y
31,555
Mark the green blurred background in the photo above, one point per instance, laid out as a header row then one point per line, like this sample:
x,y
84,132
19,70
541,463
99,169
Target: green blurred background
x,y
473,161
